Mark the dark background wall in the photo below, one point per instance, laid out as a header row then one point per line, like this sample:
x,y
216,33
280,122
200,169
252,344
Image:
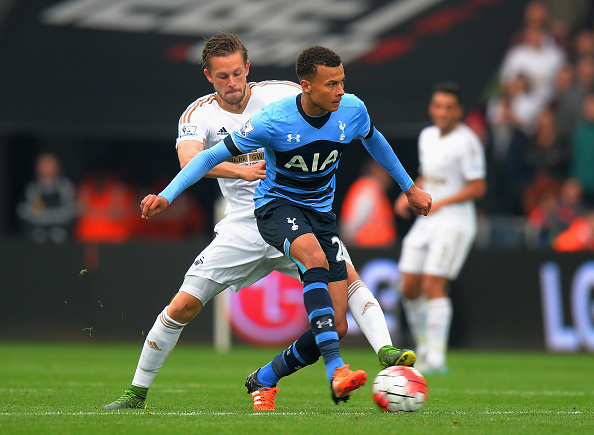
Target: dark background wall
x,y
498,298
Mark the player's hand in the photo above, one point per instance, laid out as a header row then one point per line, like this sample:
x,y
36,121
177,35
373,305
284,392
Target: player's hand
x,y
418,200
254,172
152,205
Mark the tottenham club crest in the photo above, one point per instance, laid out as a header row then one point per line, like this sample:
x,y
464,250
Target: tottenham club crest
x,y
294,226
342,126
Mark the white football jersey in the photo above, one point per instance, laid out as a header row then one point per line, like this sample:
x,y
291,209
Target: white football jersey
x,y
205,121
447,164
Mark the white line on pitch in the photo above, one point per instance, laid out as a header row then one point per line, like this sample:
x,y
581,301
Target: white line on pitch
x,y
183,414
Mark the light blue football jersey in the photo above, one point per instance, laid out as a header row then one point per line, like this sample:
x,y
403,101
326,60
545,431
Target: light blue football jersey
x,y
301,152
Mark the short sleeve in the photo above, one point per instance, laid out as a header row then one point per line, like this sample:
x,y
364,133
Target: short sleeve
x,y
473,159
254,134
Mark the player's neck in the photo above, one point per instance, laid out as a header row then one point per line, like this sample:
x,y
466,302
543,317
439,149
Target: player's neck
x,y
445,131
236,108
309,107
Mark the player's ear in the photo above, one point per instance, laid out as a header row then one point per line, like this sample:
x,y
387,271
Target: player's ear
x,y
207,74
247,67
306,86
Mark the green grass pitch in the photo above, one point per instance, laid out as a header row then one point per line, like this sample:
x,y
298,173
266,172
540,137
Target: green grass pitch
x,y
61,388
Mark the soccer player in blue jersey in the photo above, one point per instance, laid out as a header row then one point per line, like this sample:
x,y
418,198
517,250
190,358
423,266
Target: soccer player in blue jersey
x,y
303,138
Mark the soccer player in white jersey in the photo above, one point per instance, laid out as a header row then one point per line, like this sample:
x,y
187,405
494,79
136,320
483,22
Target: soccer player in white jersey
x,y
452,170
238,256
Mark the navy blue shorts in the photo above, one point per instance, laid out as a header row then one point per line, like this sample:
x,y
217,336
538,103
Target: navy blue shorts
x,y
281,222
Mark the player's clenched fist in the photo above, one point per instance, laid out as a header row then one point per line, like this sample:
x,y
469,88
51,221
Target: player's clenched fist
x,y
152,205
418,200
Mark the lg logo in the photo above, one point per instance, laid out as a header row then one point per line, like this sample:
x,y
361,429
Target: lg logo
x,y
558,335
269,312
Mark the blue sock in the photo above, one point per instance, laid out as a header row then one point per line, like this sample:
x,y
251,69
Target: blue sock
x,y
267,377
301,353
318,306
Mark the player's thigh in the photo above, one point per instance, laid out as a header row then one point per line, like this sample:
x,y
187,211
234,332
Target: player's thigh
x,y
410,284
280,225
326,231
448,251
434,286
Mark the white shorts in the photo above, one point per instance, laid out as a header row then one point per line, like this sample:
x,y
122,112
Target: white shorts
x,y
236,258
431,247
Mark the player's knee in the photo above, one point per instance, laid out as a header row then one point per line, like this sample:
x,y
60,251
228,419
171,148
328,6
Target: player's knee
x,y
410,292
184,308
410,287
317,259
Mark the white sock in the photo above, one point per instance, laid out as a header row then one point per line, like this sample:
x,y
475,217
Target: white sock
x,y
416,316
368,314
159,343
439,318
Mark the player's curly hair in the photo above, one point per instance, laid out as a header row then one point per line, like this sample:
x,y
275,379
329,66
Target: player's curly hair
x,y
312,57
223,45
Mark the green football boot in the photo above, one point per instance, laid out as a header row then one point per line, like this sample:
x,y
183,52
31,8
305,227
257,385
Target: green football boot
x,y
133,398
392,356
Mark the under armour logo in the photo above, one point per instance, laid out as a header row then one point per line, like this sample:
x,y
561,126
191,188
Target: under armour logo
x,y
294,226
342,126
296,138
326,322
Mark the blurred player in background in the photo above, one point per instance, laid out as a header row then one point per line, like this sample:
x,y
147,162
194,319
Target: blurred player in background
x,y
452,170
238,256
303,138
49,210
367,217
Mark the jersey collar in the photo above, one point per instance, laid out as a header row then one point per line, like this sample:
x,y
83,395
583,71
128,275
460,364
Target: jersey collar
x,y
315,121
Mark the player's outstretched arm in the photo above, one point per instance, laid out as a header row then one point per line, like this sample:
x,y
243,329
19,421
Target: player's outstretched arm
x,y
418,200
152,205
195,170
379,148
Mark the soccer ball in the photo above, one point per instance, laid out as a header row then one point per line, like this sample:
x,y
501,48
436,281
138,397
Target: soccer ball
x,y
400,389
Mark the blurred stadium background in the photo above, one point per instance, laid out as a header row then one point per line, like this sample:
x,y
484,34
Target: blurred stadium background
x,y
101,84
